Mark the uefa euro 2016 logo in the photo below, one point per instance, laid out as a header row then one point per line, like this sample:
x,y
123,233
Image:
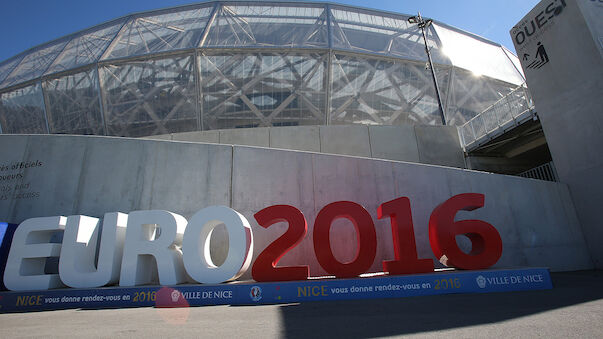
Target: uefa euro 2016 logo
x,y
175,295
481,281
255,293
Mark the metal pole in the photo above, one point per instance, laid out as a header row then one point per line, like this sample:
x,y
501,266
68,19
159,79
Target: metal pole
x,y
422,25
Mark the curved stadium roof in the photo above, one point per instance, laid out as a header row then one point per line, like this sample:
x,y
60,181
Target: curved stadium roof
x,y
227,64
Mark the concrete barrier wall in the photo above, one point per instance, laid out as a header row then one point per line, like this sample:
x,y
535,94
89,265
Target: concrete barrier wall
x,y
435,145
68,175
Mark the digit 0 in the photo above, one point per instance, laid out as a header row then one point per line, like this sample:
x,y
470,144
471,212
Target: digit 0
x,y
365,233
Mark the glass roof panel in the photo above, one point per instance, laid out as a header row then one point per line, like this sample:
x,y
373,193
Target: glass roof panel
x,y
477,56
515,61
274,25
8,66
35,63
391,35
86,47
22,110
152,33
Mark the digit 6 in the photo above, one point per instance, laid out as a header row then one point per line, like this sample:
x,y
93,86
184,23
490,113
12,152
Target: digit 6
x,y
486,245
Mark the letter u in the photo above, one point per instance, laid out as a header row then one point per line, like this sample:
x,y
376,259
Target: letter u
x,y
533,28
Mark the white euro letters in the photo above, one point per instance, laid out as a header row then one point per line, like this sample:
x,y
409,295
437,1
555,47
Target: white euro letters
x,y
77,266
29,250
196,253
153,234
138,248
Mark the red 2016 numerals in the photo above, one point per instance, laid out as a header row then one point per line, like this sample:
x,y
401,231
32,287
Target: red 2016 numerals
x,y
486,242
486,245
366,244
264,268
403,234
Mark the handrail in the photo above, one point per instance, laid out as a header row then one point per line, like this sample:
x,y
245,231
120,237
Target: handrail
x,y
543,172
503,115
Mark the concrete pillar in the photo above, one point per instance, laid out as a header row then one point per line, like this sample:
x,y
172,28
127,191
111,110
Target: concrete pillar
x,y
560,44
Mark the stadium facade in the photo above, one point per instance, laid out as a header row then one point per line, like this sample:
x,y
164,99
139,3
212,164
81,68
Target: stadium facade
x,y
223,65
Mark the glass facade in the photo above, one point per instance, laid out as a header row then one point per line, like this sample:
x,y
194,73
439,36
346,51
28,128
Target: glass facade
x,y
73,104
22,111
262,89
220,65
374,91
149,97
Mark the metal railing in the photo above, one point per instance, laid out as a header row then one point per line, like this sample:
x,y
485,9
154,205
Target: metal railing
x,y
505,114
543,172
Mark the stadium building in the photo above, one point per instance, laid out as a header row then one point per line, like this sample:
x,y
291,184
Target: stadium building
x,y
251,104
222,65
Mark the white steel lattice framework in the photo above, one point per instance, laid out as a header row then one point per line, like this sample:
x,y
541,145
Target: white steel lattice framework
x,y
224,64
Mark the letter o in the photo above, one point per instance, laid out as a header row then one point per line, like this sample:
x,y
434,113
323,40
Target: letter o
x,y
523,39
195,245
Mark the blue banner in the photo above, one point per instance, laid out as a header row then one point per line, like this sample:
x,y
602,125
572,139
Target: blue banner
x,y
242,293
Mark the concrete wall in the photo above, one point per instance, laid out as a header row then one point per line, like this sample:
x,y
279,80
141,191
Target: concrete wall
x,y
93,175
435,145
568,94
306,138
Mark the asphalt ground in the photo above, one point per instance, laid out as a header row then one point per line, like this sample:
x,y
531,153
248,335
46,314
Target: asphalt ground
x,y
573,308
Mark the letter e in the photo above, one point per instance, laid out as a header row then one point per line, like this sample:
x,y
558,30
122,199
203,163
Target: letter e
x,y
29,250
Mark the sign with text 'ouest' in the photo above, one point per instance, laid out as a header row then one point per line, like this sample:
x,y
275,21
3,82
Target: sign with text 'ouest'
x,y
135,247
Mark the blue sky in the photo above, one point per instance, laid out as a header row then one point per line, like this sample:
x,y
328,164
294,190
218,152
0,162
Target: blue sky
x,y
27,23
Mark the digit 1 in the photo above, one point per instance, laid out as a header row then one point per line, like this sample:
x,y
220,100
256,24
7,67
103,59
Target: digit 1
x,y
403,236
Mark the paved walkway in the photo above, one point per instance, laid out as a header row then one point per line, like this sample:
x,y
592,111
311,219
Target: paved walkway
x,y
574,308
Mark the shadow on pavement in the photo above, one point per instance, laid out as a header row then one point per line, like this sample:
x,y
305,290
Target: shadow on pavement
x,y
388,317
